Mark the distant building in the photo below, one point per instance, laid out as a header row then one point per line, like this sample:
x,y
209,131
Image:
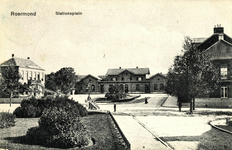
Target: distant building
x,y
32,74
158,82
87,83
219,47
130,79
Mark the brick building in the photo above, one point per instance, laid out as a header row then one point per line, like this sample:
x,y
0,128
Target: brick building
x,y
219,47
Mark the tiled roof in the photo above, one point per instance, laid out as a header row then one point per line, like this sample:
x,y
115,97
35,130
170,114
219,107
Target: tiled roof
x,y
136,71
23,63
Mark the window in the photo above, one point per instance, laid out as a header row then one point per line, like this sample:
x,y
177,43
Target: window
x,y
139,78
223,73
224,92
130,78
89,80
155,87
114,79
122,78
161,86
158,79
38,76
137,87
93,87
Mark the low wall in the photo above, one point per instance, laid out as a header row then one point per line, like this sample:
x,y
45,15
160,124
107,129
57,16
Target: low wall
x,y
13,100
211,103
214,102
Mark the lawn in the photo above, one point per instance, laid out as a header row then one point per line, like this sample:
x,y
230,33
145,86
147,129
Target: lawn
x,y
99,126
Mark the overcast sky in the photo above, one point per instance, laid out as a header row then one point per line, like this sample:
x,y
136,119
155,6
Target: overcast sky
x,y
108,34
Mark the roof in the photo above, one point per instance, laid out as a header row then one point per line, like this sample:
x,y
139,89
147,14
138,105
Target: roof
x,y
22,63
159,74
212,40
220,50
82,77
136,71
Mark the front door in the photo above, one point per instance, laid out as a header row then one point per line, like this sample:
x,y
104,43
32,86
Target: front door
x,y
126,88
147,89
102,88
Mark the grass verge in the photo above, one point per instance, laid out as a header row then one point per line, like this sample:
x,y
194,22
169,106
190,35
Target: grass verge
x,y
98,125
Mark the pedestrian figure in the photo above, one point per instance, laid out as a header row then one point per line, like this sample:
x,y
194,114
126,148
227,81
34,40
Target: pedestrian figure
x,y
114,107
146,100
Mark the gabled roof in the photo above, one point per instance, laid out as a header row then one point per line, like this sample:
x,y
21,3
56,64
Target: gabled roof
x,y
82,77
136,71
212,40
22,63
220,50
158,74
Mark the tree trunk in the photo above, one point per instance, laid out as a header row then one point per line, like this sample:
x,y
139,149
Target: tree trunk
x,y
191,106
11,93
194,103
179,105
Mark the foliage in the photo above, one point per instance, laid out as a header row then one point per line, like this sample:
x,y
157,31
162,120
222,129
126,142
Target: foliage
x,y
192,74
63,80
10,80
115,93
6,120
59,127
30,108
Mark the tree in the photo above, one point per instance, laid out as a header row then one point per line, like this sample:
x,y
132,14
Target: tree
x,y
50,82
10,80
193,74
63,80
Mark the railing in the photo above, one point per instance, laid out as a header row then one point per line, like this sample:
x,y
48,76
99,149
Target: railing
x,y
120,131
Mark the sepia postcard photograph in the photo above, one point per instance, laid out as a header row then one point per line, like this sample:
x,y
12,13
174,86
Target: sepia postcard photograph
x,y
116,74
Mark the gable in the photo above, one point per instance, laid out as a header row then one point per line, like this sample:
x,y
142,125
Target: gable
x,y
220,50
158,75
86,77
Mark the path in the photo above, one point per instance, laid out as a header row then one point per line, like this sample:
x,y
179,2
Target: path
x,y
137,135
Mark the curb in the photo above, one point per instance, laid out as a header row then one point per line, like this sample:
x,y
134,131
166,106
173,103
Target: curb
x,y
223,130
164,102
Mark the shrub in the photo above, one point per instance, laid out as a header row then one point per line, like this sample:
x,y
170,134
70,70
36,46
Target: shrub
x,y
59,127
6,120
34,107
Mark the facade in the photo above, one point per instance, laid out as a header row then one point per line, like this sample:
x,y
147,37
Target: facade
x,y
87,83
158,82
31,73
129,79
219,47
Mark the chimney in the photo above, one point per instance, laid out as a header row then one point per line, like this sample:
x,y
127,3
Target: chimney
x,y
218,29
28,57
12,55
119,67
137,67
